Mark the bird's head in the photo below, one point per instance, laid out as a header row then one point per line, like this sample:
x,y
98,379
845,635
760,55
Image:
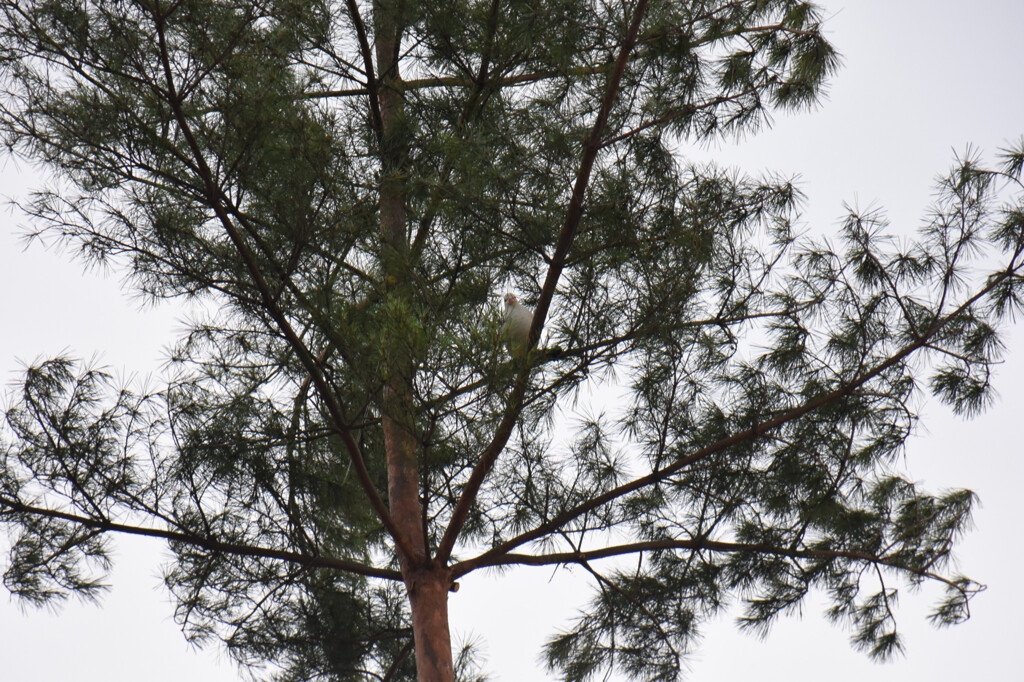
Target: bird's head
x,y
510,300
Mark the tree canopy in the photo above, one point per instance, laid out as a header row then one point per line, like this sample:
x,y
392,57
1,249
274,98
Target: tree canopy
x,y
348,189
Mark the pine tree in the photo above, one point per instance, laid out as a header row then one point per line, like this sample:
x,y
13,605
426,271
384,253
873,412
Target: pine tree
x,y
349,189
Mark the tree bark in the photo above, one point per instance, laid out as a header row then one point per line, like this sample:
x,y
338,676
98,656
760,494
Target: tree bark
x,y
426,583
428,597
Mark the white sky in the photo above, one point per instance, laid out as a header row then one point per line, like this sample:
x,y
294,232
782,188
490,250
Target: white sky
x,y
921,80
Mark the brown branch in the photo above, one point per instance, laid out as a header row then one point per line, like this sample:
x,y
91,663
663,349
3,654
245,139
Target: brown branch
x,y
216,198
105,526
591,147
761,429
396,664
371,81
464,82
698,544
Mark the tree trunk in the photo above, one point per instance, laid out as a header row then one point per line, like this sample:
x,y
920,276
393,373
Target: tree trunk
x,y
428,597
427,584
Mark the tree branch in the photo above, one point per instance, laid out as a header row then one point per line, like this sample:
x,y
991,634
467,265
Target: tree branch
x,y
105,526
698,544
464,82
371,81
216,199
591,147
761,429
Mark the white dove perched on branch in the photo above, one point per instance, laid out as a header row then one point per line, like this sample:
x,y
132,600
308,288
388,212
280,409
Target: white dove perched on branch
x,y
516,329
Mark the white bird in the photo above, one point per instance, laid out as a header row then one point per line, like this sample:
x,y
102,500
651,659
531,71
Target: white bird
x,y
516,329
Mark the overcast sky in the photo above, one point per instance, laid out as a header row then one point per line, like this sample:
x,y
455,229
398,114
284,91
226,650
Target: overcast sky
x,y
921,80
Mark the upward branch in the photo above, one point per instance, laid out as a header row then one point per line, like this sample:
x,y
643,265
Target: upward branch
x,y
217,201
371,90
591,147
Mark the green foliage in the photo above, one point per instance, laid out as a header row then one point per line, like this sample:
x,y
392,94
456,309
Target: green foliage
x,y
68,445
228,152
